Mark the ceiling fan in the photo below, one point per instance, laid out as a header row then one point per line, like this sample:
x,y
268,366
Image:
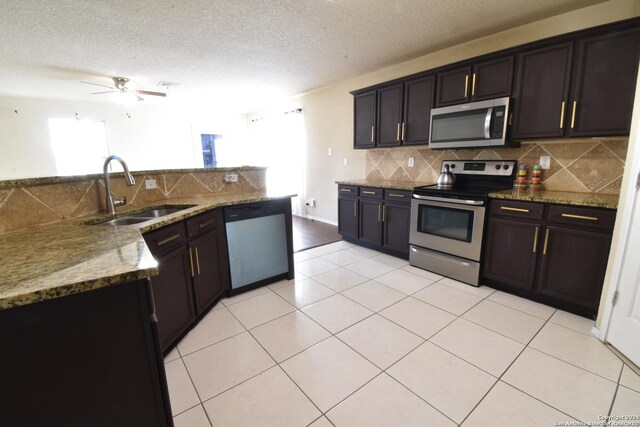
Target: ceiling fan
x,y
120,86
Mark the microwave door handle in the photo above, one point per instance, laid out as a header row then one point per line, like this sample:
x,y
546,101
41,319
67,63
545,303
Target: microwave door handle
x,y
487,123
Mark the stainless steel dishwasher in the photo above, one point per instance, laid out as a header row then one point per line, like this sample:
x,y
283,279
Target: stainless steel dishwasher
x,y
257,244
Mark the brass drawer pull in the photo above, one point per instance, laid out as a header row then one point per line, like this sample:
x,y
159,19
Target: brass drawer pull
x,y
473,85
589,218
398,131
369,192
197,260
168,239
466,85
507,208
355,208
193,274
535,240
562,115
546,240
346,190
395,195
573,114
403,129
373,134
206,224
379,213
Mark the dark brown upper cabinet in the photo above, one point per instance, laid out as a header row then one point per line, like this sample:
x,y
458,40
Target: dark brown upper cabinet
x,y
604,84
476,81
364,106
390,116
542,94
418,102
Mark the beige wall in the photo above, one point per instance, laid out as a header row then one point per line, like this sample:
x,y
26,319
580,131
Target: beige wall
x,y
329,111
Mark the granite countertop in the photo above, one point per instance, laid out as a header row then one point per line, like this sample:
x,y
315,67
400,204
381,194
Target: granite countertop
x,y
609,201
73,256
398,185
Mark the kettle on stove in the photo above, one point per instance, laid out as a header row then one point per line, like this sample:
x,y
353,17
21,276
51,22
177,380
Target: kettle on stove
x,y
446,178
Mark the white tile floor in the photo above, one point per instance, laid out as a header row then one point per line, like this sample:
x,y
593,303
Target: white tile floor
x,y
364,339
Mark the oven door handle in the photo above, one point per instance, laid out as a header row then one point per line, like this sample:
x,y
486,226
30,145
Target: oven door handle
x,y
447,200
487,124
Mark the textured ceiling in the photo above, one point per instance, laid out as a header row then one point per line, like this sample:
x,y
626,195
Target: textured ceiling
x,y
237,53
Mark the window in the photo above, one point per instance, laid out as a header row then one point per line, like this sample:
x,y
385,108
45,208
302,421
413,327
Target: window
x,y
209,149
79,146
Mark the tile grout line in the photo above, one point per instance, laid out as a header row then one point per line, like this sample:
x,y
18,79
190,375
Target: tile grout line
x,y
615,393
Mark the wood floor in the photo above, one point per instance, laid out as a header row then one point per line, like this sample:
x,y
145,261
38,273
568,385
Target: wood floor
x,y
309,234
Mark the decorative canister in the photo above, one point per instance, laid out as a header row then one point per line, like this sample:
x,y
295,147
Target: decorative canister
x,y
536,178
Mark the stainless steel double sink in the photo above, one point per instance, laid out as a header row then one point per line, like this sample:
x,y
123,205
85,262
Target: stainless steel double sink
x,y
145,215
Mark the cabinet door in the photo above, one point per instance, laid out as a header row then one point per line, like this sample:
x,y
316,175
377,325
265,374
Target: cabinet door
x,y
573,265
173,295
453,86
348,217
604,84
396,219
542,95
208,255
418,101
511,251
492,79
389,116
364,106
371,221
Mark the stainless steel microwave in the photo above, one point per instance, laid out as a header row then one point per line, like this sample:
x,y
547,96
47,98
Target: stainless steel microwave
x,y
475,124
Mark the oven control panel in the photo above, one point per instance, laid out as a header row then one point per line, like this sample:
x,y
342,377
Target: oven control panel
x,y
481,167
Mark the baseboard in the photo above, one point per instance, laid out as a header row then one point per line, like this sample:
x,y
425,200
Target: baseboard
x,y
315,218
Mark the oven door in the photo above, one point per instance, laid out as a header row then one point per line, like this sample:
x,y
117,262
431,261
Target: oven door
x,y
451,226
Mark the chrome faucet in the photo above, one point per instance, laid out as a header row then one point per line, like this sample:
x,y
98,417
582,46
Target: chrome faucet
x,y
111,203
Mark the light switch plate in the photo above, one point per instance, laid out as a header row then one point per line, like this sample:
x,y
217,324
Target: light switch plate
x,y
329,151
411,162
230,177
150,184
545,162
346,162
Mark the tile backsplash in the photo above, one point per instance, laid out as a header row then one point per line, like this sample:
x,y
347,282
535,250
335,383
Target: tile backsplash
x,y
30,205
580,165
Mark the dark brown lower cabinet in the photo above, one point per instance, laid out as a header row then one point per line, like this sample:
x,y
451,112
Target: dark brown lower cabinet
x,y
88,359
377,218
193,272
554,254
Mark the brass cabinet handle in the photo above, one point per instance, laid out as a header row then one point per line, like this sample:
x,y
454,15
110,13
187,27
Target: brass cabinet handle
x,y
466,85
398,131
379,213
535,240
473,85
507,208
395,195
384,213
573,114
369,192
403,128
197,260
588,218
346,190
168,239
193,274
562,115
546,240
373,134
355,208
205,224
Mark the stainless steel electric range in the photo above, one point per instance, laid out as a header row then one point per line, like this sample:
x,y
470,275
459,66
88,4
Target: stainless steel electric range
x,y
447,223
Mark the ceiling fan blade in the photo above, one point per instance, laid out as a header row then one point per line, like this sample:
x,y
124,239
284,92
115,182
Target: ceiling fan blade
x,y
139,97
106,91
148,92
96,84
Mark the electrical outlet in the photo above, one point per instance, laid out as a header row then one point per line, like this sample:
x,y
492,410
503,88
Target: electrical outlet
x,y
330,151
346,162
230,177
150,184
545,162
411,162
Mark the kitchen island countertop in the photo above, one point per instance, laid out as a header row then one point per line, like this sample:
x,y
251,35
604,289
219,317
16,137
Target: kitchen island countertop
x,y
74,256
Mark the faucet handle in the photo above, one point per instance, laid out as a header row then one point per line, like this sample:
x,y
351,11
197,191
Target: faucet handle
x,y
121,202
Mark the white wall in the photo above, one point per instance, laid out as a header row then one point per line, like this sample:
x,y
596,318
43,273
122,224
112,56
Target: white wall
x,y
147,137
329,111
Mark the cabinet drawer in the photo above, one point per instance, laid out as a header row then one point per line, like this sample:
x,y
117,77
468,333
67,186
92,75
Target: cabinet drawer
x,y
397,195
603,219
204,222
347,190
166,238
515,209
371,192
